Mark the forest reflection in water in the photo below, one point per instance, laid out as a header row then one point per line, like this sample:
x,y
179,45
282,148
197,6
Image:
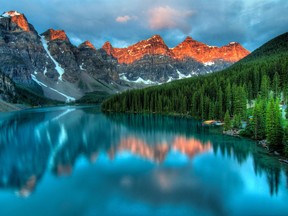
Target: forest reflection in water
x,y
35,142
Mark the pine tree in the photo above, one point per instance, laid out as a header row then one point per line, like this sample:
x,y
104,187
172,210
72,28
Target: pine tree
x,y
274,131
228,98
276,85
285,141
194,105
250,92
264,90
202,114
219,106
237,122
227,121
259,120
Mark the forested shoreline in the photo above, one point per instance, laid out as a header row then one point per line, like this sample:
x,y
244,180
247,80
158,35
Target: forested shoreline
x,y
250,90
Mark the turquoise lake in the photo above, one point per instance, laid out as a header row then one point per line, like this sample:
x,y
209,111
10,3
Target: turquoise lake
x,y
78,161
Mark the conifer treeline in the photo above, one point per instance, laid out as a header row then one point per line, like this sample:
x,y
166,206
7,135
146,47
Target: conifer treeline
x,y
210,96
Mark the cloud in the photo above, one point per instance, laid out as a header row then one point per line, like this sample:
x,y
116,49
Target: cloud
x,y
250,22
123,19
169,18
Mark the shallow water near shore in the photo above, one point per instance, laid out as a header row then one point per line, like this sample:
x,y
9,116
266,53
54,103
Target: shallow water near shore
x,y
79,161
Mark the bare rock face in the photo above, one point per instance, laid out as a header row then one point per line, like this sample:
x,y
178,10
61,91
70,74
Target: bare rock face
x,y
152,46
52,35
153,61
21,50
87,44
18,19
7,88
189,48
94,63
48,63
62,51
203,53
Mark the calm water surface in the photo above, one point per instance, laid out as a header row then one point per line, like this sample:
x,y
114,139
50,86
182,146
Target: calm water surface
x,y
78,161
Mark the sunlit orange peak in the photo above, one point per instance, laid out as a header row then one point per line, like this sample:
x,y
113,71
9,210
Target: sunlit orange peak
x,y
17,18
52,34
87,44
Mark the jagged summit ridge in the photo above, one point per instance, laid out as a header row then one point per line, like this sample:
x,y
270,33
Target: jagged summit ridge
x,y
18,19
87,44
11,14
152,46
52,35
189,48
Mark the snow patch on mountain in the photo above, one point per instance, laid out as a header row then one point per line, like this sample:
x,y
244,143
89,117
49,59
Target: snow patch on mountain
x,y
139,80
58,68
81,67
68,98
208,63
170,79
11,14
182,76
45,71
37,81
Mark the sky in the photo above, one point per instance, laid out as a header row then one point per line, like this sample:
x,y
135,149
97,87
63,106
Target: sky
x,y
125,22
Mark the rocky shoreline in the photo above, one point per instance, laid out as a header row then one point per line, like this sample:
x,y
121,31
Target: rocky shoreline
x,y
232,132
261,143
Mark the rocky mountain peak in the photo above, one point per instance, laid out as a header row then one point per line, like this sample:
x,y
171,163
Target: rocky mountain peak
x,y
17,18
52,35
87,44
152,46
233,44
188,39
204,53
233,52
156,39
11,14
108,48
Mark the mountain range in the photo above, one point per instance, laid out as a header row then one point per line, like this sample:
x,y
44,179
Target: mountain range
x,y
48,65
223,93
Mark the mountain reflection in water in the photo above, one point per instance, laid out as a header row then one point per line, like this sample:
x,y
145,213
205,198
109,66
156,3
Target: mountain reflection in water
x,y
33,143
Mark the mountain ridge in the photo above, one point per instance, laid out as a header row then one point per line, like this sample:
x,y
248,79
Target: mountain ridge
x,y
210,96
189,48
49,65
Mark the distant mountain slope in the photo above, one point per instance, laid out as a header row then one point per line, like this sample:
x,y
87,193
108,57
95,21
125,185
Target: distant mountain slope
x,y
275,46
210,96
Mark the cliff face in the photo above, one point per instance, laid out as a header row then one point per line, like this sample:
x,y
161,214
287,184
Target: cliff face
x,y
19,20
152,62
7,88
94,63
21,50
203,53
52,35
189,48
49,61
151,46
